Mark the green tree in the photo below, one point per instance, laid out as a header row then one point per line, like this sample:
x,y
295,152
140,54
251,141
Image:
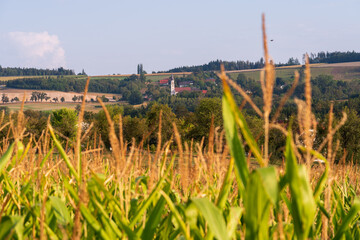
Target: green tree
x,y
4,98
104,99
15,99
36,122
140,69
101,123
126,94
136,98
134,128
62,99
207,108
42,96
64,121
350,133
167,118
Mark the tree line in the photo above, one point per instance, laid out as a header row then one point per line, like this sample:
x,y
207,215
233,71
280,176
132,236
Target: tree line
x,y
215,66
230,65
321,57
17,71
334,57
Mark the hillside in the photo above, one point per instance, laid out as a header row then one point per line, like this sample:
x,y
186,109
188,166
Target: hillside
x,y
340,71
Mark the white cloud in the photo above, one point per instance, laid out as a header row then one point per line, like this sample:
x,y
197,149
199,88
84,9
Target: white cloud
x,y
38,49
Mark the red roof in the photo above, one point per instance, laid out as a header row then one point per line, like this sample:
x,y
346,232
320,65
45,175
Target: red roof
x,y
182,89
164,81
204,91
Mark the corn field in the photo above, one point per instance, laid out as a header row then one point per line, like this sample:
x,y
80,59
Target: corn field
x,y
49,190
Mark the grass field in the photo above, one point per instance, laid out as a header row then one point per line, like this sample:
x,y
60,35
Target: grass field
x,y
9,78
152,77
340,71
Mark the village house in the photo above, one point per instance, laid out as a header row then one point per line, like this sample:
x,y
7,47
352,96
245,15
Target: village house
x,y
186,84
164,82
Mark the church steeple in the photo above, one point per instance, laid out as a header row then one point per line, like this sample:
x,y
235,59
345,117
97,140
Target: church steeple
x,y
172,89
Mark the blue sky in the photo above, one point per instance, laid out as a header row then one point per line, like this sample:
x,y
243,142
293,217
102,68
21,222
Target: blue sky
x,y
106,37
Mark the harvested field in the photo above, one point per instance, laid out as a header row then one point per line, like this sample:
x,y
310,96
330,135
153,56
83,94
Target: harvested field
x,y
12,92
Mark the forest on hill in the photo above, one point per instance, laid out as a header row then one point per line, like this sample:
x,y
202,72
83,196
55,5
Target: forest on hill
x,y
321,57
17,71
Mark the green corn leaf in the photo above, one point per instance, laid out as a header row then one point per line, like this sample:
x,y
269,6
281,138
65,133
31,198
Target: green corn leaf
x,y
352,215
270,183
239,119
20,150
233,220
109,221
152,196
63,154
235,145
18,153
60,210
93,222
176,214
155,217
12,225
71,191
225,188
322,180
6,157
213,217
50,232
303,205
262,192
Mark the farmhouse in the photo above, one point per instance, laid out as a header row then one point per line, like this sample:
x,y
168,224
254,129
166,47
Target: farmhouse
x,y
164,82
185,84
182,89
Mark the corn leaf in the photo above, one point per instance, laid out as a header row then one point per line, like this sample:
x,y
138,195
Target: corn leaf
x,y
225,188
303,206
63,154
235,146
233,221
262,192
12,225
6,157
239,119
60,210
351,216
155,217
213,217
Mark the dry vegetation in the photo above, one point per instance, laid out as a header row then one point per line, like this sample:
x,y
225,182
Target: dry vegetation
x,y
11,93
50,189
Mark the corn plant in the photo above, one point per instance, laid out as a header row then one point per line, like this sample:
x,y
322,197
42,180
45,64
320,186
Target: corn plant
x,y
50,191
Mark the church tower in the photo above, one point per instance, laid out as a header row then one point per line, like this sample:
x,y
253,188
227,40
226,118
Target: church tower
x,y
172,89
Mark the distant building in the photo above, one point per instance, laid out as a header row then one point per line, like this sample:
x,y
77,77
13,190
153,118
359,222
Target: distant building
x,y
164,82
172,87
186,84
182,89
